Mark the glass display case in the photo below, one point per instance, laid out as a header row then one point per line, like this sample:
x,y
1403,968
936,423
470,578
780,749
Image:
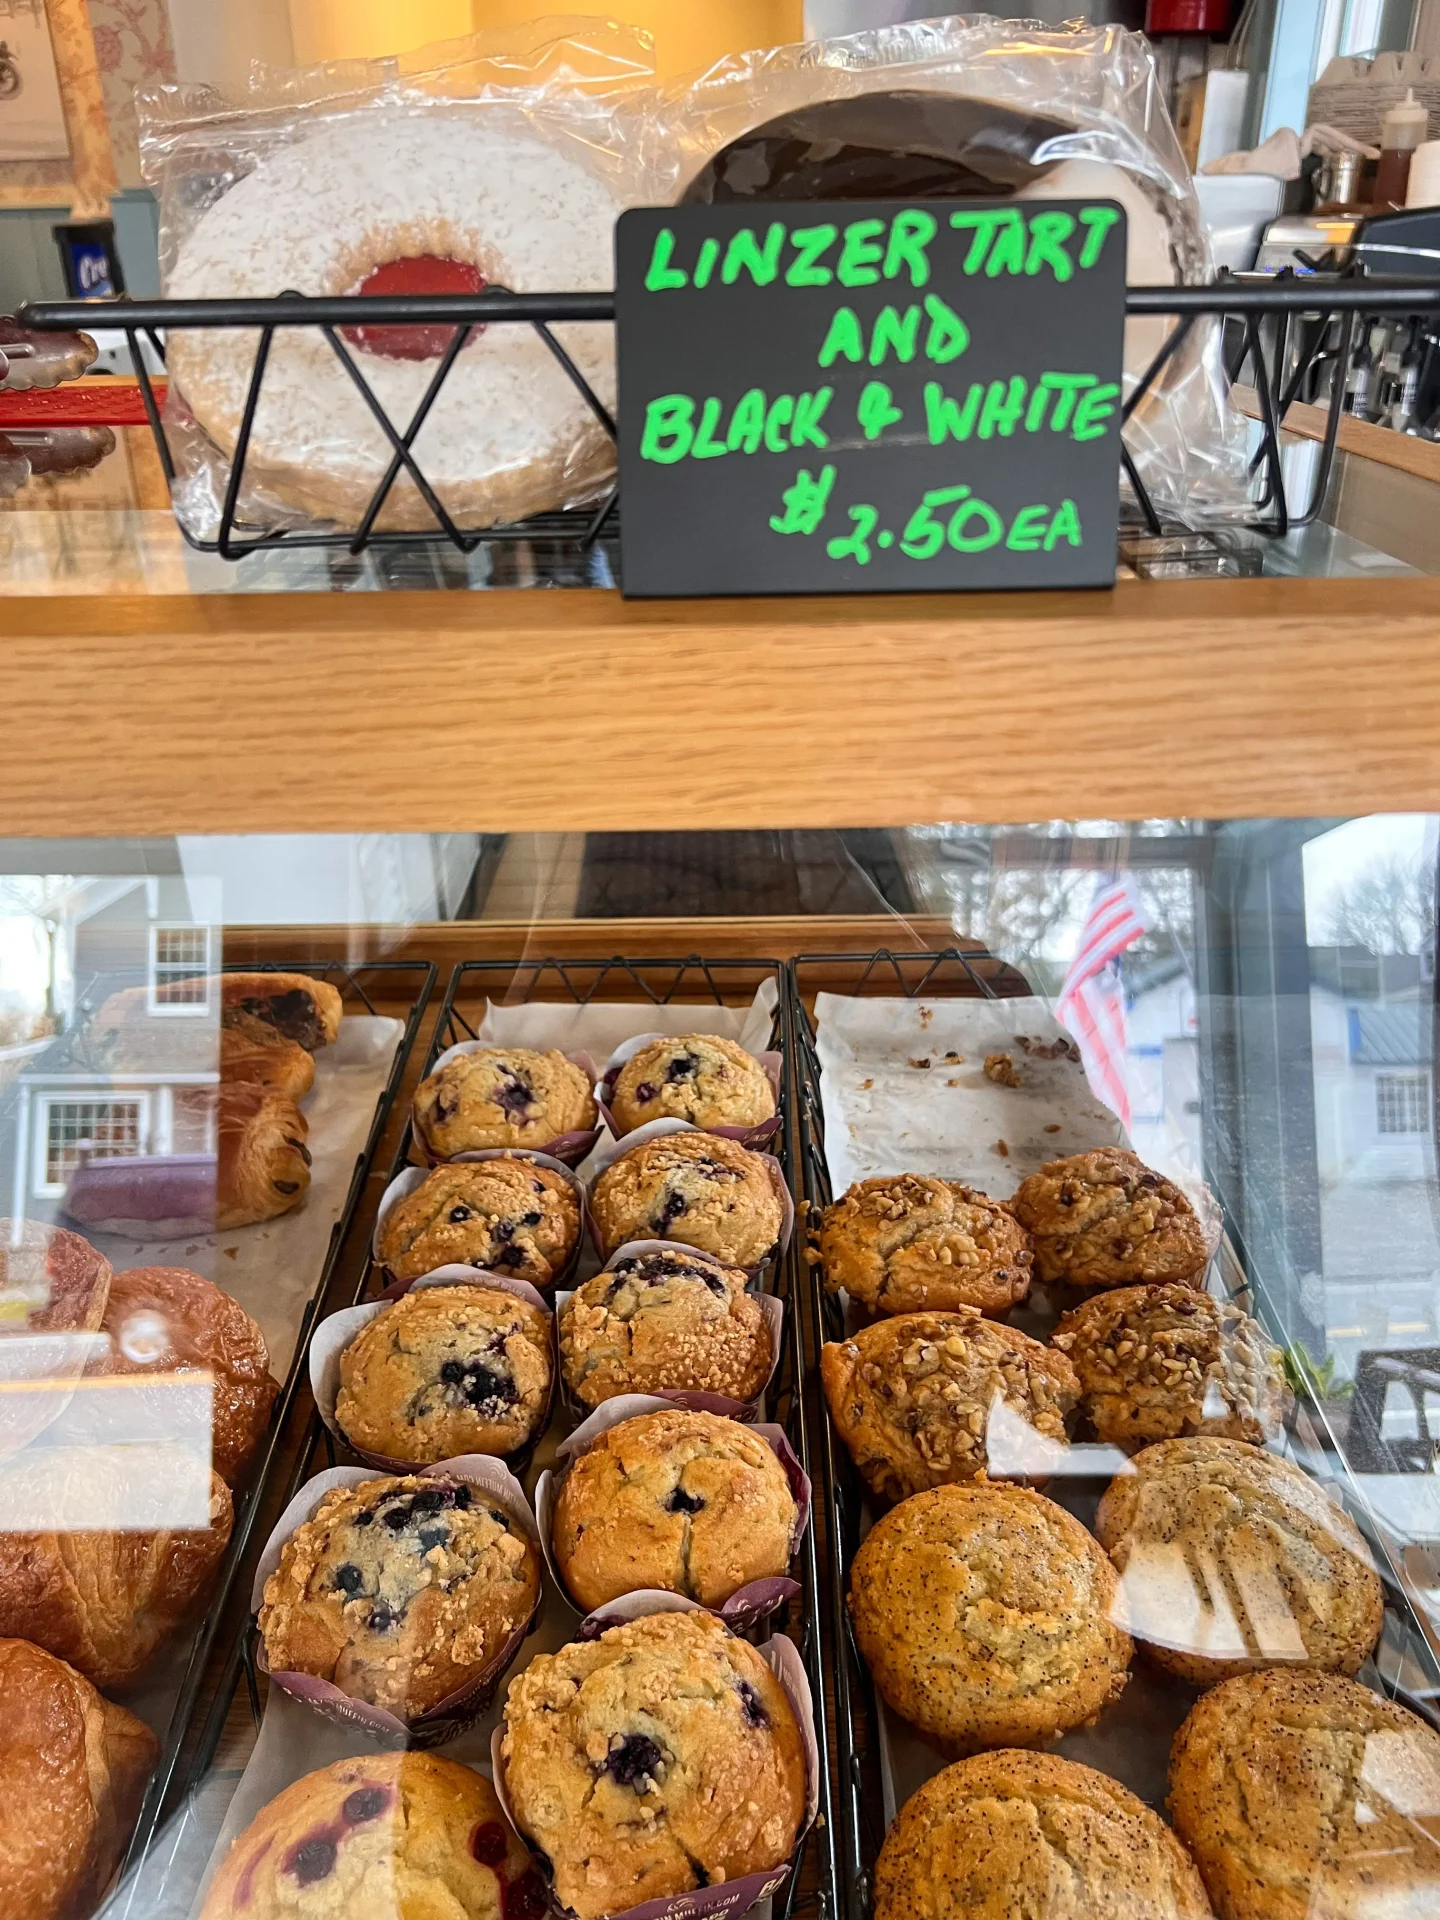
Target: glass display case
x,y
1193,1435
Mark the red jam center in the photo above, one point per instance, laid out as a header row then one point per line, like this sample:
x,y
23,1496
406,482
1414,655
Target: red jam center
x,y
423,273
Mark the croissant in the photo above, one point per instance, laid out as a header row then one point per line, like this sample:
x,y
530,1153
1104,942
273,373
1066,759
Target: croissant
x,y
73,1769
51,1280
294,1004
263,1162
254,1055
105,1601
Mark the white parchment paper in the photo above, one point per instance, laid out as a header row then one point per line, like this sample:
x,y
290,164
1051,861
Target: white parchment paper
x,y
894,1103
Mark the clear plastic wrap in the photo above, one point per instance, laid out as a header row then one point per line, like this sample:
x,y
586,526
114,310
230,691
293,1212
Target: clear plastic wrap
x,y
502,159
1041,112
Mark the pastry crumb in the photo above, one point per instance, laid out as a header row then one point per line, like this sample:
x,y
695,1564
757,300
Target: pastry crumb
x,y
1000,1067
866,1085
952,1083
919,1063
927,1014
956,1059
1002,1149
1054,1127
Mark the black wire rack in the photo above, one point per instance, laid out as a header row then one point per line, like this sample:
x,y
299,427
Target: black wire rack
x,y
360,988
811,1888
860,1802
1292,333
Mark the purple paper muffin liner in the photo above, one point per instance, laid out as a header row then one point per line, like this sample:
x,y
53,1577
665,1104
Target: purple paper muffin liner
x,y
752,1136
749,1604
570,1147
407,1181
335,1333
609,1151
457,1710
730,1897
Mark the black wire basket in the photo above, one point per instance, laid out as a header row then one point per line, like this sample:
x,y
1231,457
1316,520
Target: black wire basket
x,y
1293,334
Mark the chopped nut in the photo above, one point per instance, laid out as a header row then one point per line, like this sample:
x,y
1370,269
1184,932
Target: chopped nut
x,y
1054,1127
1000,1067
919,1063
866,1085
952,1083
1002,1149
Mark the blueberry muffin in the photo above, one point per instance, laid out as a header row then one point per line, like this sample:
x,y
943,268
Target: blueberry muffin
x,y
1233,1559
1104,1219
1161,1363
444,1372
507,1216
502,1097
987,1616
377,1836
1005,1835
400,1591
661,1758
698,1077
1302,1794
906,1242
697,1188
688,1502
168,1321
664,1320
911,1396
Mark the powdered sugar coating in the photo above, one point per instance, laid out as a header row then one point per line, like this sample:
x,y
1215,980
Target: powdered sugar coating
x,y
510,434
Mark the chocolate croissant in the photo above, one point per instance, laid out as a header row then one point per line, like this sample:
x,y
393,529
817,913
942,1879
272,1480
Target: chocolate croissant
x,y
294,1004
263,1165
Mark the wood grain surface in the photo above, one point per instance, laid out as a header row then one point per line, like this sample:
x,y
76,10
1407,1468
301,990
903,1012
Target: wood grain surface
x,y
1360,437
576,710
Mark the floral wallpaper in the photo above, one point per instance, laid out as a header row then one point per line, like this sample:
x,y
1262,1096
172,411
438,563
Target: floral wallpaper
x,y
132,48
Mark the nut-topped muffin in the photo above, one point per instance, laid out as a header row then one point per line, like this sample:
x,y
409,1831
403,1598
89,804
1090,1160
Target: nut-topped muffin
x,y
508,1216
664,1320
911,1396
1029,1836
687,1502
697,1077
1105,1219
1303,1794
502,1097
447,1371
377,1836
905,1242
400,1591
1161,1363
697,1188
1233,1559
987,1614
661,1758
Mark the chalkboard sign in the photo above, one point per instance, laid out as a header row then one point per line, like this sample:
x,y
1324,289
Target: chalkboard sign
x,y
870,396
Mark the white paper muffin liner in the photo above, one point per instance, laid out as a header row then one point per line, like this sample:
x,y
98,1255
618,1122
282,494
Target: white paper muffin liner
x,y
406,1183
335,1334
748,1604
698,1401
609,1151
753,1136
459,1709
570,1147
731,1897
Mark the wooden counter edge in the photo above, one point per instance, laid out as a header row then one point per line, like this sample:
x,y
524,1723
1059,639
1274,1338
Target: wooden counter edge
x,y
575,710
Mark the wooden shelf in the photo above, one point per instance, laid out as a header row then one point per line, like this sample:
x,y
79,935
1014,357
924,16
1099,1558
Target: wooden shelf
x,y
565,710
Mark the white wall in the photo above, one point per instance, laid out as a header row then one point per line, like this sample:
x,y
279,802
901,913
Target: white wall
x,y
216,40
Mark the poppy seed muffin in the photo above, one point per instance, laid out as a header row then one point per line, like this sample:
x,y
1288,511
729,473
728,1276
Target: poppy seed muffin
x,y
697,1188
911,1396
1304,1796
444,1372
697,1077
1105,1219
906,1242
657,1321
400,1591
1008,1836
502,1097
1162,1363
688,1502
661,1758
987,1616
1233,1559
509,1216
376,1836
